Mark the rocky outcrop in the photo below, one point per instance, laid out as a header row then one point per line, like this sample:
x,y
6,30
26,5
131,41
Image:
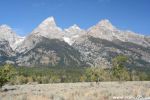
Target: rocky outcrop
x,y
49,45
100,52
6,33
50,52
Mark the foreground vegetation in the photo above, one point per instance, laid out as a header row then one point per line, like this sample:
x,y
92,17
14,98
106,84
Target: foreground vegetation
x,y
23,75
132,90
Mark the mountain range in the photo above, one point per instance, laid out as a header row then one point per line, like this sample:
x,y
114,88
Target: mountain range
x,y
49,45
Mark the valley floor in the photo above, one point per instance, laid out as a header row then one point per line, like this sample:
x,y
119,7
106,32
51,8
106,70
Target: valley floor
x,y
78,91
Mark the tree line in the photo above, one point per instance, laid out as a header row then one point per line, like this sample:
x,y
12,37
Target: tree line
x,y
23,75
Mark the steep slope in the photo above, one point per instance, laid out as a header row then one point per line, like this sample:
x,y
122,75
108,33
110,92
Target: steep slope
x,y
72,33
49,45
28,43
73,30
6,51
45,46
49,29
6,33
105,30
50,52
99,52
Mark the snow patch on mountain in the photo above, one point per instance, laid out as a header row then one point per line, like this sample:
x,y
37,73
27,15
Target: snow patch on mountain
x,y
72,33
49,29
68,40
73,30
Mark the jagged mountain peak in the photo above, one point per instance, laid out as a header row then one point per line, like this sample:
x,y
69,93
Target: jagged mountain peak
x,y
48,28
106,24
50,21
72,33
51,18
5,26
48,45
7,33
75,26
105,30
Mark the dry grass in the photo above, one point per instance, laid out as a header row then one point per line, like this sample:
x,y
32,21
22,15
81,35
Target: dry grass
x,y
75,91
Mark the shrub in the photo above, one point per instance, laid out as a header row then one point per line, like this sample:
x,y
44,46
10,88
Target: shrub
x,y
7,72
134,76
83,78
20,79
119,70
97,74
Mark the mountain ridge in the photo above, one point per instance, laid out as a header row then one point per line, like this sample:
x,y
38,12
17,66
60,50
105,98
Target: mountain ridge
x,y
50,45
48,28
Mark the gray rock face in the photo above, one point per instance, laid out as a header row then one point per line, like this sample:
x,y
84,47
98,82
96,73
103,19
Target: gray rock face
x,y
49,29
105,30
49,45
99,52
50,52
6,51
73,33
5,48
6,33
29,43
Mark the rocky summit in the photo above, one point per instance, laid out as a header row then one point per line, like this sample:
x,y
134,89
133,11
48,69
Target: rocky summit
x,y
50,45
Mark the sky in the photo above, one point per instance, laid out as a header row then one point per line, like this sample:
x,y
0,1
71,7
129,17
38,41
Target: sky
x,y
25,15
